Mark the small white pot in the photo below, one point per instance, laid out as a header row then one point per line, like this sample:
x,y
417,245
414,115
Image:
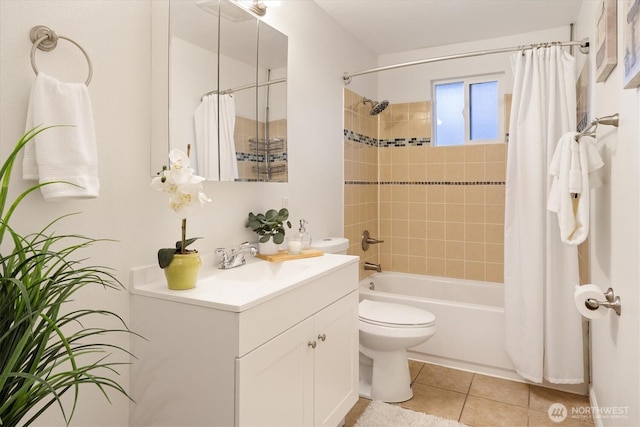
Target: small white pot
x,y
268,248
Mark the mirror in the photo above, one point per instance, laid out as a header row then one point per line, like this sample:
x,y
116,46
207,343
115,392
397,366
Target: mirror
x,y
193,71
237,100
219,85
271,144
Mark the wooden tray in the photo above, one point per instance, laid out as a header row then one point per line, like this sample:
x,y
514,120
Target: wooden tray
x,y
286,256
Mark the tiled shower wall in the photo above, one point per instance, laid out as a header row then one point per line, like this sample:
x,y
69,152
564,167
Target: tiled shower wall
x,y
361,177
248,159
440,210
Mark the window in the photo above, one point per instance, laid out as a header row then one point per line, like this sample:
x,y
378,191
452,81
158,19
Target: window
x,y
468,110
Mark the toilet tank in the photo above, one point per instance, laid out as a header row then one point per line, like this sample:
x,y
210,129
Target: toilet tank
x,y
331,245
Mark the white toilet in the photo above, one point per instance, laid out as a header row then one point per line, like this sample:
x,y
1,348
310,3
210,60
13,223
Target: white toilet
x,y
386,331
331,245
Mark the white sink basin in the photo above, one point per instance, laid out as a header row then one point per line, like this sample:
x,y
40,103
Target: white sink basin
x,y
241,288
261,271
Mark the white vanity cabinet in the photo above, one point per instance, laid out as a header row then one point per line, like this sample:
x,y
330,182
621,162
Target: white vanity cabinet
x,y
282,358
304,376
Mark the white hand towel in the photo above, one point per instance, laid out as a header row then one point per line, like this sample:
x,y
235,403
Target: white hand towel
x,y
570,161
66,153
575,170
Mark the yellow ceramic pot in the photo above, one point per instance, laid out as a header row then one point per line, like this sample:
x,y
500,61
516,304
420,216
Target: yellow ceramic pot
x,y
182,273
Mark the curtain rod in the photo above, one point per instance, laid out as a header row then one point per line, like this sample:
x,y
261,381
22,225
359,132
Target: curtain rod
x,y
249,86
584,48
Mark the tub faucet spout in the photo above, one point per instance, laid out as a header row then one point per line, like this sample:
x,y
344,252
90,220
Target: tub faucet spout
x,y
371,266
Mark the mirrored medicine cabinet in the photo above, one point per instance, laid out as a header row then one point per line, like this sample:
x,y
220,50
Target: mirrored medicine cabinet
x,y
219,84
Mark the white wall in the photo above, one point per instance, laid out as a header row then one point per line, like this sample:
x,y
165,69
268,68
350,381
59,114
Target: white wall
x,y
411,84
614,239
117,36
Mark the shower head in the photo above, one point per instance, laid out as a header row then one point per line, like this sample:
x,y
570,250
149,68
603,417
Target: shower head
x,y
376,107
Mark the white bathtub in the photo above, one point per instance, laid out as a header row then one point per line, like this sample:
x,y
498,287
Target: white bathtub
x,y
469,319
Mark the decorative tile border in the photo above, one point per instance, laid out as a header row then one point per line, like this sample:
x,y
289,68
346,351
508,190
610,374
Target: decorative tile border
x,y
405,142
252,157
249,157
358,137
395,142
425,182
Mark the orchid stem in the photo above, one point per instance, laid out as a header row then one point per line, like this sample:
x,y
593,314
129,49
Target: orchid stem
x,y
184,235
184,220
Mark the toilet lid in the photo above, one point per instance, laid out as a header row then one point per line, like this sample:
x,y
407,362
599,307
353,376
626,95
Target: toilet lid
x,y
386,313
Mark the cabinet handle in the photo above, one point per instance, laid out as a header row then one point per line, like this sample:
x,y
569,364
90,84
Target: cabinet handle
x,y
312,344
322,337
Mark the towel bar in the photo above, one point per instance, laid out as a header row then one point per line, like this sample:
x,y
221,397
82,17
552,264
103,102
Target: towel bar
x,y
46,39
590,130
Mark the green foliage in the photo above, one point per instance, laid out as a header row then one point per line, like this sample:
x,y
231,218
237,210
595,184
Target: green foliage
x,y
165,255
269,224
45,349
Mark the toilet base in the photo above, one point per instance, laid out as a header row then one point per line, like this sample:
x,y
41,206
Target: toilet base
x,y
387,378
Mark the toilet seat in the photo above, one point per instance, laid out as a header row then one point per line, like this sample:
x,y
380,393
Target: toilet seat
x,y
394,315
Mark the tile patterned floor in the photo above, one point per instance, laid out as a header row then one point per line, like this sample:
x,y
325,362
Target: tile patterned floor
x,y
482,401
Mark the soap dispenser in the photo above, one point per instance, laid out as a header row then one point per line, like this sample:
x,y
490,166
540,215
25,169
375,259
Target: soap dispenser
x,y
304,237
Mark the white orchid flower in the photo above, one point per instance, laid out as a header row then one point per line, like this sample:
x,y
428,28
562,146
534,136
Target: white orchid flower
x,y
182,185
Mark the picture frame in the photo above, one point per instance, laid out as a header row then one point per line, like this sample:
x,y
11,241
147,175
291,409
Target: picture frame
x,y
631,44
606,39
582,98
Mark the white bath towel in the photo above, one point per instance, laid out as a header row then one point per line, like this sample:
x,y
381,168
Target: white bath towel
x,y
67,153
571,166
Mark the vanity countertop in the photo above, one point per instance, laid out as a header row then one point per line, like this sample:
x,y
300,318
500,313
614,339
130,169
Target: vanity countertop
x,y
240,288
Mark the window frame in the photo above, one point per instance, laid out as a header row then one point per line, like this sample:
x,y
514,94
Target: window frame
x,y
467,81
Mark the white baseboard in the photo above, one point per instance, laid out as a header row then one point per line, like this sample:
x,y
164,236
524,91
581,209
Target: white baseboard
x,y
597,421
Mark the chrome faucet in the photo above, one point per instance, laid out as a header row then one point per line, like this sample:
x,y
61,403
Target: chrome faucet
x,y
236,258
371,266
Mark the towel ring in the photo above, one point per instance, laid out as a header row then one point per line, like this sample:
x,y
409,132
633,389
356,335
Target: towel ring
x,y
46,39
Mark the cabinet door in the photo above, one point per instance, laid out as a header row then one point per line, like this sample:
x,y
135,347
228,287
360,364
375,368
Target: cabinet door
x,y
336,361
274,383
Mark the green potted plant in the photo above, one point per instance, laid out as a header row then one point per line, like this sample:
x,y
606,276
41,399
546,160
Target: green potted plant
x,y
270,227
44,354
181,265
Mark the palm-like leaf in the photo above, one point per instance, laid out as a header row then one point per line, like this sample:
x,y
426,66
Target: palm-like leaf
x,y
45,350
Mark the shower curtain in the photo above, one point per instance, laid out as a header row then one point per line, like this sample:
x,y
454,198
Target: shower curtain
x,y
543,328
228,161
216,159
206,132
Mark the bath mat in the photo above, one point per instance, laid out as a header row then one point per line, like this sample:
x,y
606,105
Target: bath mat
x,y
380,414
